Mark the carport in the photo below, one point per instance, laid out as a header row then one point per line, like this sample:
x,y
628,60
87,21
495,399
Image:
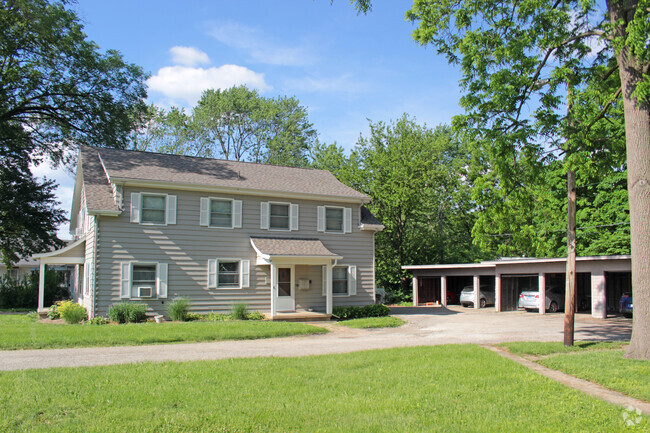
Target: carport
x,y
600,280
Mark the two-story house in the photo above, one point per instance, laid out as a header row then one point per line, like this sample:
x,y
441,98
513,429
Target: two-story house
x,y
151,227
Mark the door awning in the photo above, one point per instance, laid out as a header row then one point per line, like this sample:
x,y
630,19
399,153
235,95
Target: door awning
x,y
296,250
73,253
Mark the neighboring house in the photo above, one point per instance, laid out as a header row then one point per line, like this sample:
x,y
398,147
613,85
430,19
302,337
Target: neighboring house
x,y
151,227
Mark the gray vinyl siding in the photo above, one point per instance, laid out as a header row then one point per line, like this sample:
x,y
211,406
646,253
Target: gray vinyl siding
x,y
91,234
186,247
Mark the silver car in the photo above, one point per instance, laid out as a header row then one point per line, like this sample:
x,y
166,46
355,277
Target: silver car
x,y
467,296
529,300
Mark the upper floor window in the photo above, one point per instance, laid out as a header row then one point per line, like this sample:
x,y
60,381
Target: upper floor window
x,y
151,208
279,216
221,212
333,219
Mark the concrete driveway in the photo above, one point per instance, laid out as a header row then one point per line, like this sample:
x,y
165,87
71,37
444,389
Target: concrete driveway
x,y
425,326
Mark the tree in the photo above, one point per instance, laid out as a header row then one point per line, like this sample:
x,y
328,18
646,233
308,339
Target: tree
x,y
56,90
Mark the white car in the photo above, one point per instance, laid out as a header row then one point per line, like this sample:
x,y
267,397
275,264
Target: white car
x,y
529,300
467,296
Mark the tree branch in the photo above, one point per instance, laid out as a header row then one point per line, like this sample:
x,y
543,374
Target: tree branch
x,y
604,110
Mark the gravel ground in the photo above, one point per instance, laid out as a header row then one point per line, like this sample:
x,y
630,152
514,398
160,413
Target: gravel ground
x,y
425,326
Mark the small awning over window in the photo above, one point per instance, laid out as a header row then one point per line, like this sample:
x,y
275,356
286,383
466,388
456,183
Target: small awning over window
x,y
296,250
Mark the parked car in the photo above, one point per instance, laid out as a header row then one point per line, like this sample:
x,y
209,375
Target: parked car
x,y
626,304
486,292
529,299
452,298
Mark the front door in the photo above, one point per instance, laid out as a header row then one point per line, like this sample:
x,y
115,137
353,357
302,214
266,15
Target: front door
x,y
285,300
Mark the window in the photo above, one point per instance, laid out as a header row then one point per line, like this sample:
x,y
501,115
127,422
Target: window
x,y
149,208
220,213
228,273
134,275
153,209
143,276
333,219
279,216
340,280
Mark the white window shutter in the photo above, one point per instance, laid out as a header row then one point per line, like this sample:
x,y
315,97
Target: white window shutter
x,y
162,280
245,273
293,215
321,219
236,214
135,207
125,280
347,220
212,274
264,215
324,280
352,280
171,209
204,218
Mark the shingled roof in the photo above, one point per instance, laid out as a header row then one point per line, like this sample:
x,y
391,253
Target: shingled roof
x,y
101,164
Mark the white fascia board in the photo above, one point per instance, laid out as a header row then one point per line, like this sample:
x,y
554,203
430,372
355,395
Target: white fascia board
x,y
61,251
104,212
451,266
371,227
238,191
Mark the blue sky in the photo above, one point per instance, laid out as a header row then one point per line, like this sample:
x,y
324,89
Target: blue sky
x,y
345,68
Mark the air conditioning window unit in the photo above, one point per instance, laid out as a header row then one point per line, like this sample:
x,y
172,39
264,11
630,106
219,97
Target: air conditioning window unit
x,y
145,292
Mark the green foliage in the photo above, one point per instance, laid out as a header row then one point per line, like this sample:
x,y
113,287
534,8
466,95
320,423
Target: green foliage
x,y
72,312
255,315
56,89
128,312
548,348
98,320
23,292
33,315
218,317
178,309
236,124
353,312
193,317
240,311
53,312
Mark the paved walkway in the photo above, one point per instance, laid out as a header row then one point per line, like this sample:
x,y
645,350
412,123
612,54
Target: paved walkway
x,y
426,326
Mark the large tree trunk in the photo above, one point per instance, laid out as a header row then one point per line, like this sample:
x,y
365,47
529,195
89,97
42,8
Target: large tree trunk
x,y
637,135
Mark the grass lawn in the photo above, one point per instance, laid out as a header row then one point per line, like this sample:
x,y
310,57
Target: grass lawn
x,y
373,322
434,389
22,332
542,349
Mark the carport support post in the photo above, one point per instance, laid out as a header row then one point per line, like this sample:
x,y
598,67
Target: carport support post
x,y
542,293
598,296
497,292
443,290
477,292
41,286
415,291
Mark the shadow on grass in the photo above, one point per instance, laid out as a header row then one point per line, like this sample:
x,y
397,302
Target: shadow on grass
x,y
427,311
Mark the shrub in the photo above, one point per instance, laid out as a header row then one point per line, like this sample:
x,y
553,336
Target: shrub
x,y
53,312
194,317
128,312
33,315
23,292
178,309
72,312
351,312
218,317
99,320
255,315
239,311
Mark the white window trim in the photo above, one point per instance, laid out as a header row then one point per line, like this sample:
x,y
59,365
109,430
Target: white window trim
x,y
346,226
233,214
339,232
165,208
288,229
351,273
244,273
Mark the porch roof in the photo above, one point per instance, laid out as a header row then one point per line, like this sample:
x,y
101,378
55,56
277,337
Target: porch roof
x,y
268,248
73,253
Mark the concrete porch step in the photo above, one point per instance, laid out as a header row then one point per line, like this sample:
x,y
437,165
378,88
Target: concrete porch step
x,y
300,316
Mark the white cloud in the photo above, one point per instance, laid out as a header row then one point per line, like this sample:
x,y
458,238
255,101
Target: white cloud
x,y
259,47
189,56
186,84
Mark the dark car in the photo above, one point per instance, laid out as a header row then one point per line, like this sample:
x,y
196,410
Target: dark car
x,y
626,304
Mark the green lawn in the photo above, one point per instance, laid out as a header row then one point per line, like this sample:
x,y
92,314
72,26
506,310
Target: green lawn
x,y
608,368
542,349
373,322
22,332
461,388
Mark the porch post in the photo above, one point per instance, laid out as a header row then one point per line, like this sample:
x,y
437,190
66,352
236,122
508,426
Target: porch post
x,y
415,291
41,286
272,285
542,293
328,290
477,293
443,290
